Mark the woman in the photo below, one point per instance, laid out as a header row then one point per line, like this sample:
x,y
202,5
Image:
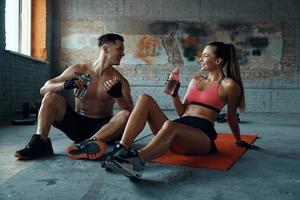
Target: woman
x,y
193,133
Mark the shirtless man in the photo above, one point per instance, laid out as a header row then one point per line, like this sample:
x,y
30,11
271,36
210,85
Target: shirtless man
x,y
91,124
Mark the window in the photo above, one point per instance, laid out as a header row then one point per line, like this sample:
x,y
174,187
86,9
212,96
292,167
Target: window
x,y
25,26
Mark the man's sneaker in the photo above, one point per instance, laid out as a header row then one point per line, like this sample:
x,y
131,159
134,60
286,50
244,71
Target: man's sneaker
x,y
127,163
88,149
36,148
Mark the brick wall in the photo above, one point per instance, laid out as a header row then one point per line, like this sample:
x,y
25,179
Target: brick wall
x,y
274,91
269,87
21,77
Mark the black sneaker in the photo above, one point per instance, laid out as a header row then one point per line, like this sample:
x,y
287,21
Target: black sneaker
x,y
36,148
126,162
118,150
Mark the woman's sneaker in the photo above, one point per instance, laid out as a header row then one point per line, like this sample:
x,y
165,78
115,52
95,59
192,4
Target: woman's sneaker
x,y
36,148
126,162
88,149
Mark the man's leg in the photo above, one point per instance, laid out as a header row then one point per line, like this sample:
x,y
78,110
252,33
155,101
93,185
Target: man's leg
x,y
95,147
114,128
53,108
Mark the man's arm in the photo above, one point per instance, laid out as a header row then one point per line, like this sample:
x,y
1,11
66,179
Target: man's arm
x,y
125,101
57,84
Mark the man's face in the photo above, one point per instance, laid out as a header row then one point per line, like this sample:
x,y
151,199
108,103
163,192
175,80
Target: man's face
x,y
115,52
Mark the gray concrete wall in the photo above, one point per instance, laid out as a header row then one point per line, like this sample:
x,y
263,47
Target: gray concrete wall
x,y
273,90
21,77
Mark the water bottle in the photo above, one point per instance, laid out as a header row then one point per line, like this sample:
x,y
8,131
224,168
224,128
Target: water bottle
x,y
81,93
172,82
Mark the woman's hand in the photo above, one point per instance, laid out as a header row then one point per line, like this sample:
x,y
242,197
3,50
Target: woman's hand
x,y
244,144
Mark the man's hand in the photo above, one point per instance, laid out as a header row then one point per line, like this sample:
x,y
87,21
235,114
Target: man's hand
x,y
70,84
113,88
73,83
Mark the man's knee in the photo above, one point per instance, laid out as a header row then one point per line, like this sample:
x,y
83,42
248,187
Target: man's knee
x,y
51,98
123,115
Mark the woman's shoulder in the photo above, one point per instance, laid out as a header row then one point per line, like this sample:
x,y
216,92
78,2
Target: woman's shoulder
x,y
230,84
197,79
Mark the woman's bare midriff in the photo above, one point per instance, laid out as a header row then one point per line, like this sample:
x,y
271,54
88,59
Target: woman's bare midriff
x,y
202,112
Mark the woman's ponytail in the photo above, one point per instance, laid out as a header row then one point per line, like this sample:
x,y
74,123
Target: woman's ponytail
x,y
232,69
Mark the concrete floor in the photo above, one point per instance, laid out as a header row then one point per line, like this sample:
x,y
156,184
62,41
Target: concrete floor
x,y
273,172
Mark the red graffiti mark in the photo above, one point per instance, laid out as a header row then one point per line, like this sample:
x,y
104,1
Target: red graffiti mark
x,y
147,49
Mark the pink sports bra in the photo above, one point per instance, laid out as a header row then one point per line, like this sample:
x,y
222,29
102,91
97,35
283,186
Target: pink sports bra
x,y
208,97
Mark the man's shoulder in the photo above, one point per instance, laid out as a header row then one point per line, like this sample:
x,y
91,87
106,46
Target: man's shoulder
x,y
79,66
117,73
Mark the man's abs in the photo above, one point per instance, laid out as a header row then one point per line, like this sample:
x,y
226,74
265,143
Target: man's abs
x,y
94,109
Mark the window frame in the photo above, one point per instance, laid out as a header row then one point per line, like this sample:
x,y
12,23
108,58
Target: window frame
x,y
18,31
24,21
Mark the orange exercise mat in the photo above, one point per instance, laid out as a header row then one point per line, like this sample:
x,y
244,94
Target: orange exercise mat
x,y
223,160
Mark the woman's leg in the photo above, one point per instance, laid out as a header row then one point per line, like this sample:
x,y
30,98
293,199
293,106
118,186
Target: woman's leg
x,y
186,140
146,109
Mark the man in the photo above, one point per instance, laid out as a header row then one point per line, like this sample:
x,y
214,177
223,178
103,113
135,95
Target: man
x,y
97,86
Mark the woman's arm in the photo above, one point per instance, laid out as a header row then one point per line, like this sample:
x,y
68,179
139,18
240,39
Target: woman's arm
x,y
233,92
179,106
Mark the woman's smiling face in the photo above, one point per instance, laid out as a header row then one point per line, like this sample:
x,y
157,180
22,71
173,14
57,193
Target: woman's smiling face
x,y
208,59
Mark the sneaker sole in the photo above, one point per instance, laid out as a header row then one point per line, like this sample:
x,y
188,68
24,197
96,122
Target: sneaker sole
x,y
112,166
17,155
129,173
90,155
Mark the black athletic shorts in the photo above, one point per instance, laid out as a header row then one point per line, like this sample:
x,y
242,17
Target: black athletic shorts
x,y
78,127
204,125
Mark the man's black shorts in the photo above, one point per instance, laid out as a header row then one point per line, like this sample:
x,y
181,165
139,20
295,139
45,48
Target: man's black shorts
x,y
78,127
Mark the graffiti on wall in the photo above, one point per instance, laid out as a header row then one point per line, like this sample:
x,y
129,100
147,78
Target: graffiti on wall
x,y
144,49
147,49
260,46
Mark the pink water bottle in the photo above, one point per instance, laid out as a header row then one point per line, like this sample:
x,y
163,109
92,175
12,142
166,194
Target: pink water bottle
x,y
172,83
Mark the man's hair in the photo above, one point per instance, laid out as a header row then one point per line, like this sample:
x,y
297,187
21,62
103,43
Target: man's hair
x,y
109,38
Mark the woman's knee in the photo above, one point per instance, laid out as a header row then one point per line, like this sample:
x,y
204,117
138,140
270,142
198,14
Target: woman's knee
x,y
145,98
